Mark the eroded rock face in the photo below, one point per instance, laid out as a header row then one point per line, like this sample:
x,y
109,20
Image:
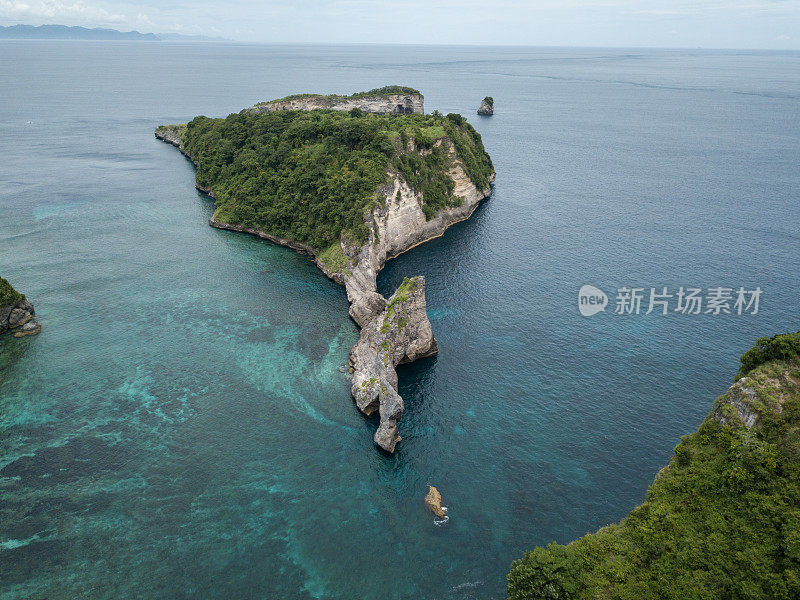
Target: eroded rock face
x,y
171,135
486,108
400,333
402,104
746,402
434,502
19,318
738,405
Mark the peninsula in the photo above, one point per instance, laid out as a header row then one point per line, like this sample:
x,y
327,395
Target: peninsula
x,y
353,181
722,520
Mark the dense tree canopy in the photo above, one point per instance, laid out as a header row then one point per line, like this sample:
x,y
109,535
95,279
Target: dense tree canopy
x,y
312,176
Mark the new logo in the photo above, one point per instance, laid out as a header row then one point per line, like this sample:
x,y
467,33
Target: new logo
x,y
591,300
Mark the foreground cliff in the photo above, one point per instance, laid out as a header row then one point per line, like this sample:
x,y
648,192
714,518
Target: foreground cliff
x,y
16,312
722,520
352,189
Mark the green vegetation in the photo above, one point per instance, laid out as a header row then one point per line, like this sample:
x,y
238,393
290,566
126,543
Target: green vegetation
x,y
8,295
469,148
401,295
382,91
335,260
721,522
489,100
777,347
313,176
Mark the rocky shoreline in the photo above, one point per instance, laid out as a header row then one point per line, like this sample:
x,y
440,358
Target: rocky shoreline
x,y
18,319
393,331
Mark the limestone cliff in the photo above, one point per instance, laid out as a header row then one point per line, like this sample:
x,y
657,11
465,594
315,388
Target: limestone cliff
x,y
396,331
172,134
390,100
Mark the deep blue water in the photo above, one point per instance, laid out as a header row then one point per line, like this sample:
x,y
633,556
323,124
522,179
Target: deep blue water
x,y
180,428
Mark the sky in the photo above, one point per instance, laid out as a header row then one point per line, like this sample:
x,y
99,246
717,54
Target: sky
x,y
767,24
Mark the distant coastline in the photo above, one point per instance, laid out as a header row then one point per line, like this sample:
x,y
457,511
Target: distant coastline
x,y
64,32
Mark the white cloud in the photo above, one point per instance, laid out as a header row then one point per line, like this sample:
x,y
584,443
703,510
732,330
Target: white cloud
x,y
56,11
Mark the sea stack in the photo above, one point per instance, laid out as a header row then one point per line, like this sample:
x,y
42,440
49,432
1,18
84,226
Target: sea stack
x,y
487,106
16,312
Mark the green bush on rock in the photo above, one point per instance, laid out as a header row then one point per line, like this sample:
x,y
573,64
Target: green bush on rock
x,y
8,295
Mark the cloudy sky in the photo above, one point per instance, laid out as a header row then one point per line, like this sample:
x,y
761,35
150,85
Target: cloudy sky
x,y
638,23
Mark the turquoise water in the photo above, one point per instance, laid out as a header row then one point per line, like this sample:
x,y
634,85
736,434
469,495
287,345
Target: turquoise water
x,y
180,428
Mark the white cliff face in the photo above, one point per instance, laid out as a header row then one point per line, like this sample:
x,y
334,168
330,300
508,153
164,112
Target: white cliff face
x,y
400,224
397,330
403,104
400,332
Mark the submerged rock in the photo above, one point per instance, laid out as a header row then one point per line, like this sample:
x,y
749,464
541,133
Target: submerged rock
x,y
434,502
487,106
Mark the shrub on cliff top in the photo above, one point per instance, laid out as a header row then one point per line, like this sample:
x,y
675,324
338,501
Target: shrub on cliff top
x,y
8,295
778,347
311,176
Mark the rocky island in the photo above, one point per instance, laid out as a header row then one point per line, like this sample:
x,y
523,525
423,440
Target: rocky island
x,y
353,181
722,520
487,106
16,312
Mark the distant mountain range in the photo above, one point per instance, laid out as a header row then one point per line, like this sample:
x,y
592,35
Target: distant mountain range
x,y
63,32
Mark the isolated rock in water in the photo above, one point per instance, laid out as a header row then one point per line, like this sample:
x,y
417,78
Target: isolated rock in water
x,y
434,502
487,106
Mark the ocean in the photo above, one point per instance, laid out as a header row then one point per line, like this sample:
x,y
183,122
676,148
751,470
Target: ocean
x,y
181,427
